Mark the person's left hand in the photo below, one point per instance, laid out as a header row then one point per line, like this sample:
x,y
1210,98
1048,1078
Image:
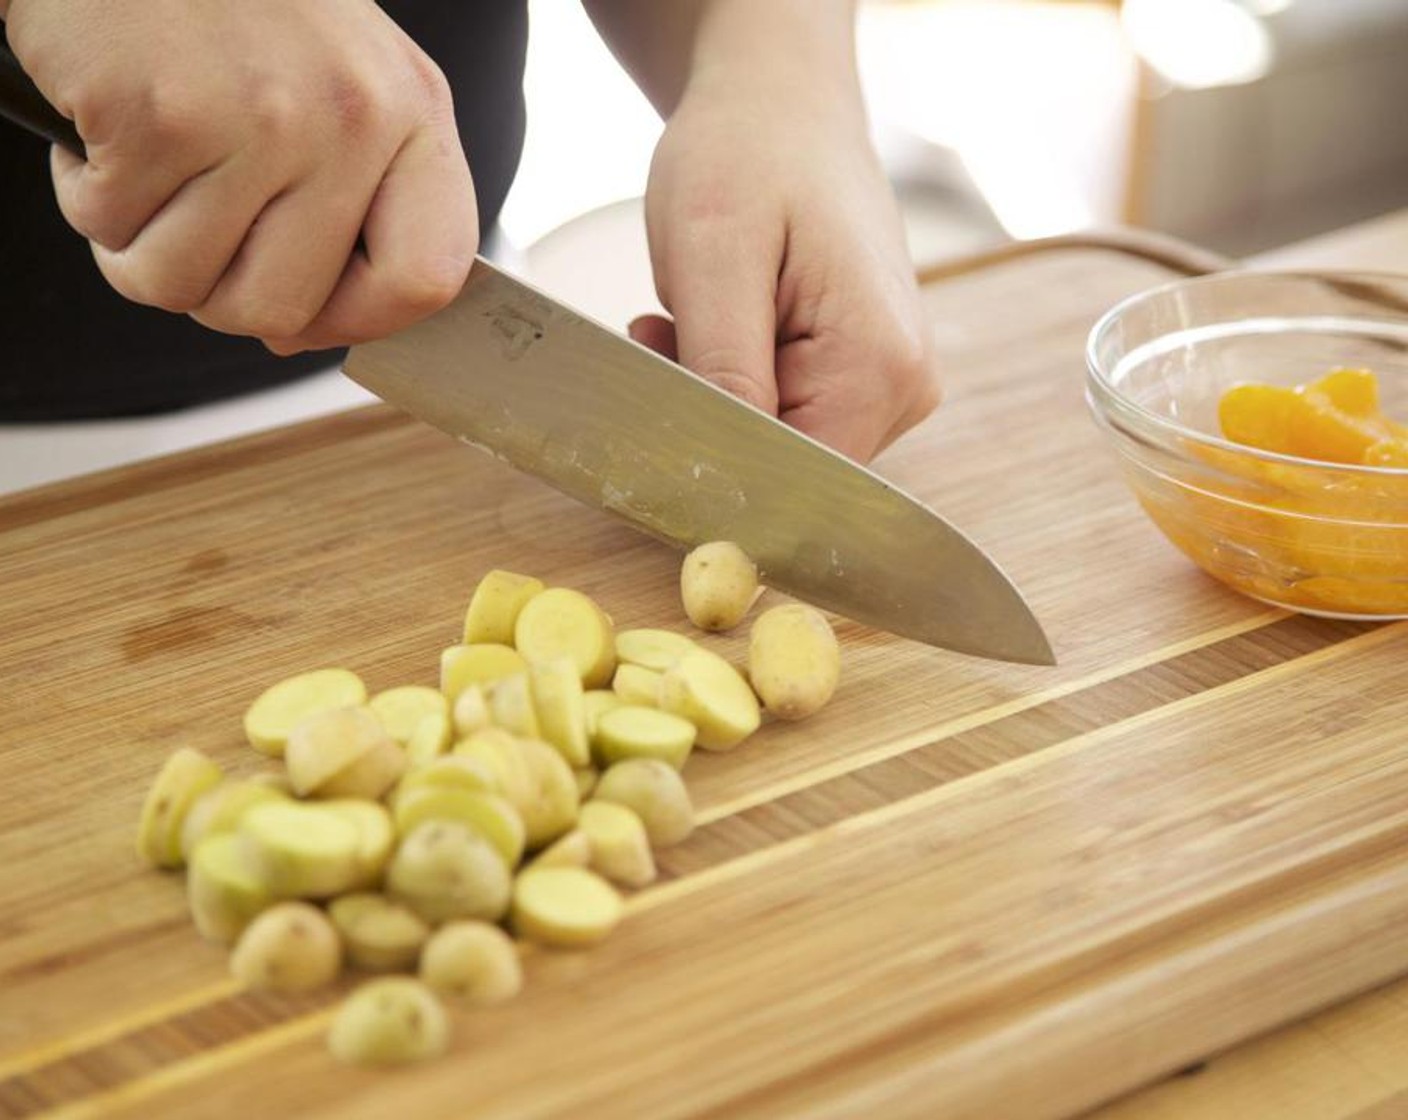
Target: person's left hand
x,y
777,249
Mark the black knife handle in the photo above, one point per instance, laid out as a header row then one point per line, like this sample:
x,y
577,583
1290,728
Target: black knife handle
x,y
22,103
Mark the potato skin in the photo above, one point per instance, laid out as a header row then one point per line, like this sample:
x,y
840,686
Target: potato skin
x,y
389,1022
474,962
291,947
444,871
655,792
794,661
718,583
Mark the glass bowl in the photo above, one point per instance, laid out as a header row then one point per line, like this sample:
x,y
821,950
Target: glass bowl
x,y
1315,537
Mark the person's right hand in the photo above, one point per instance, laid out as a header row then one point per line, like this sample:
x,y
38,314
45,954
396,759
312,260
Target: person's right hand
x,y
237,149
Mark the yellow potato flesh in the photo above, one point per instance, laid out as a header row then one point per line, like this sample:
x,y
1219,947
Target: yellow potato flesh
x,y
303,851
586,781
376,837
511,706
223,887
328,742
561,709
656,793
495,606
471,712
571,849
620,848
283,706
561,622
710,693
637,685
486,813
378,934
532,777
453,771
430,740
370,776
401,709
463,666
651,649
221,809
183,778
634,732
595,702
564,907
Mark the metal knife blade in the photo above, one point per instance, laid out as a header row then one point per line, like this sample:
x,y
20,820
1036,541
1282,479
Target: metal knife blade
x,y
513,372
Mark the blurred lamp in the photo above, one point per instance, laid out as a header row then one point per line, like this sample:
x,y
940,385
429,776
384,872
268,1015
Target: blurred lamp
x,y
1197,44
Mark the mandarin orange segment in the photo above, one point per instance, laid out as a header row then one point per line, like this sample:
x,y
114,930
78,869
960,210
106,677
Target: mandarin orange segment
x,y
1319,430
1305,534
1355,391
1358,550
1387,453
1258,416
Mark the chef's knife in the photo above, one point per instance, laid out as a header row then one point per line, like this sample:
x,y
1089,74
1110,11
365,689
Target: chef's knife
x,y
510,370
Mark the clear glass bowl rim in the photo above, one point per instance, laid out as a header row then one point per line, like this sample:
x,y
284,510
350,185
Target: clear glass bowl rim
x,y
1106,399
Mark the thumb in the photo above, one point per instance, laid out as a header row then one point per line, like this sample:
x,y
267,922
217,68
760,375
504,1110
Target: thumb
x,y
722,292
655,332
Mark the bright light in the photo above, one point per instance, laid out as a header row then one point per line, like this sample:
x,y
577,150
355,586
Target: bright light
x,y
591,132
1027,95
1198,44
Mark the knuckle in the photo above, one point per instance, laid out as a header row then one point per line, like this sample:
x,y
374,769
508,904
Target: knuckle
x,y
914,370
97,209
96,110
85,210
430,80
284,347
265,317
359,105
156,287
722,367
430,285
168,115
712,201
273,110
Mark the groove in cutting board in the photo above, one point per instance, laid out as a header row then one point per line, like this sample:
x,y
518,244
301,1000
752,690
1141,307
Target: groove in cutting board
x,y
88,1040
859,759
244,1048
986,744
1288,646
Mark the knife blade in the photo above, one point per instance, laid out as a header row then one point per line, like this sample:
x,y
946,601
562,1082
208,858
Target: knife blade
x,y
510,370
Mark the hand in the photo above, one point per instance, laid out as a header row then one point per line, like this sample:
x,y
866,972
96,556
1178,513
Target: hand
x,y
778,250
237,149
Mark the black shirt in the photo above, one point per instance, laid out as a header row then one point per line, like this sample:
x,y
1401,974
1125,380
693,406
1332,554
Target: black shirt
x,y
72,348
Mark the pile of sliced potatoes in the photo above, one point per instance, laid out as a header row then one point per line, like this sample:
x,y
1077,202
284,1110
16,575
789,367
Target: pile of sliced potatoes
x,y
435,831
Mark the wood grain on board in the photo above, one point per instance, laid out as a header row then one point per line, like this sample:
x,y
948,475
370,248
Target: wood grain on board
x,y
964,889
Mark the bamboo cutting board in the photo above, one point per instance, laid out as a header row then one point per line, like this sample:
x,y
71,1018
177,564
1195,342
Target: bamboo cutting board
x,y
963,890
